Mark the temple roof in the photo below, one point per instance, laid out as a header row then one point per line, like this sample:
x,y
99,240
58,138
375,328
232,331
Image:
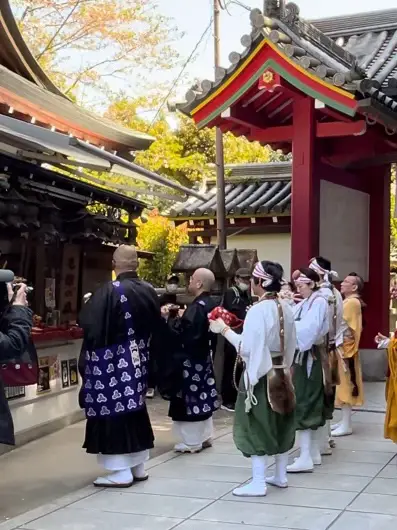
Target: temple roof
x,y
26,88
230,260
247,258
357,23
371,38
251,190
193,257
352,56
59,185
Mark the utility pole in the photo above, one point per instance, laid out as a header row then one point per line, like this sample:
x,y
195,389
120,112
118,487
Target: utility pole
x,y
219,161
220,196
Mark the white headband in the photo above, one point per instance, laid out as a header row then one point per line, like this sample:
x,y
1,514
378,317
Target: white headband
x,y
314,266
259,272
302,278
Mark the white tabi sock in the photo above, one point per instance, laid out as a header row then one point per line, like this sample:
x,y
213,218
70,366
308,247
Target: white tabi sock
x,y
257,486
317,440
122,477
139,472
304,463
280,476
345,426
183,448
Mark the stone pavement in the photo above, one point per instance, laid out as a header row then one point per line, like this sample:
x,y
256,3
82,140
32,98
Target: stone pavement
x,y
355,489
51,467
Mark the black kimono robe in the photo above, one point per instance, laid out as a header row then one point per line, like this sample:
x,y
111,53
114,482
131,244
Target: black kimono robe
x,y
192,341
103,324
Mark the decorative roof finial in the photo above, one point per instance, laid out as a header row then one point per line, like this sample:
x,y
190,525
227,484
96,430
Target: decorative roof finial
x,y
273,8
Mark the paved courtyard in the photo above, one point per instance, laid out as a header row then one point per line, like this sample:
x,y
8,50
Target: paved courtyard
x,y
355,489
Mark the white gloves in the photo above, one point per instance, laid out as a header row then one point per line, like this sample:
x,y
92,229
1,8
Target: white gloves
x,y
217,326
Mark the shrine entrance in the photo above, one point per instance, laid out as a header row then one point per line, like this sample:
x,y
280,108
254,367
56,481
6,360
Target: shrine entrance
x,y
321,97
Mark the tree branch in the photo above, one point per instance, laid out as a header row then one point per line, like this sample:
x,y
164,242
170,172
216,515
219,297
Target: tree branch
x,y
60,28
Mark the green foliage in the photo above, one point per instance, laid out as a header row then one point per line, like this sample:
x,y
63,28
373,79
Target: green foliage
x,y
183,153
159,235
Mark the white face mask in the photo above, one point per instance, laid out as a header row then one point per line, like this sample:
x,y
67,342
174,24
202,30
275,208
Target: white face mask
x,y
172,287
243,286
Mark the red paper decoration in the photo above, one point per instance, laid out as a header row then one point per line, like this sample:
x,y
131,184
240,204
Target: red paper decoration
x,y
228,318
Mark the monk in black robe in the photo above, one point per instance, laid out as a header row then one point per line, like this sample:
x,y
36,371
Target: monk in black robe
x,y
193,398
118,322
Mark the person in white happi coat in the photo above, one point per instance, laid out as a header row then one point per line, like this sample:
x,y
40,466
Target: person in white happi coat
x,y
312,325
335,341
265,410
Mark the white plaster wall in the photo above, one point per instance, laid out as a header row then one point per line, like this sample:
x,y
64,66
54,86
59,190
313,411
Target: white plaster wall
x,y
274,247
344,228
33,409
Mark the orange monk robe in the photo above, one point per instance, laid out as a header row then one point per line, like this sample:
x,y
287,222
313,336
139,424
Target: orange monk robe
x,y
391,393
352,328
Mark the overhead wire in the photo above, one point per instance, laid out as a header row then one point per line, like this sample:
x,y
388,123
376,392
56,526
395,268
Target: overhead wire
x,y
224,6
184,66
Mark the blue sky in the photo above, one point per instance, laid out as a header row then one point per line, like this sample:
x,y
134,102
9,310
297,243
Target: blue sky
x,y
192,16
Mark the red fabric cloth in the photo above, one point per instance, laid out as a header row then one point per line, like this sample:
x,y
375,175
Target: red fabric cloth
x,y
228,318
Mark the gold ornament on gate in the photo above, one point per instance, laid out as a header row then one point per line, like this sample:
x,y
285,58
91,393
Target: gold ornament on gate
x,y
268,77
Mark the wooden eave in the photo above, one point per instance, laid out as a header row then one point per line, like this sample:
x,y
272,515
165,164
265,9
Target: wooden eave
x,y
266,56
337,73
15,54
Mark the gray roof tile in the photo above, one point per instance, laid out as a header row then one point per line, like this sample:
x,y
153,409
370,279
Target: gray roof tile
x,y
357,52
251,189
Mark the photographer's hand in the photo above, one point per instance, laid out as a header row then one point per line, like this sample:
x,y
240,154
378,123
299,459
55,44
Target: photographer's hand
x,y
20,296
10,291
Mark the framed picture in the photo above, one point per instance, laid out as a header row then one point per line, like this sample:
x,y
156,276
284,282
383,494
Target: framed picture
x,y
44,375
65,374
73,372
54,367
14,392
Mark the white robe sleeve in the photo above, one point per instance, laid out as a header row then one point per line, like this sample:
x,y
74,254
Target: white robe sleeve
x,y
254,334
309,328
254,348
290,336
253,344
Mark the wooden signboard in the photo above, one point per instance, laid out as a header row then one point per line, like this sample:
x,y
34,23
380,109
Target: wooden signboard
x,y
68,292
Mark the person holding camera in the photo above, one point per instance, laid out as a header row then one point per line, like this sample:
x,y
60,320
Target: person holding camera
x,y
15,328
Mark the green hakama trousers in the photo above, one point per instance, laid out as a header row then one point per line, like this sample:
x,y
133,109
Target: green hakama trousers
x,y
309,390
261,431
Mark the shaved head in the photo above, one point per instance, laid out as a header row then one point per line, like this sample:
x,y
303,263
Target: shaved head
x,y
125,259
202,281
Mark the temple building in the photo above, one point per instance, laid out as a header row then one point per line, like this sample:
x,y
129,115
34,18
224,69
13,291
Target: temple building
x,y
59,225
326,91
258,211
